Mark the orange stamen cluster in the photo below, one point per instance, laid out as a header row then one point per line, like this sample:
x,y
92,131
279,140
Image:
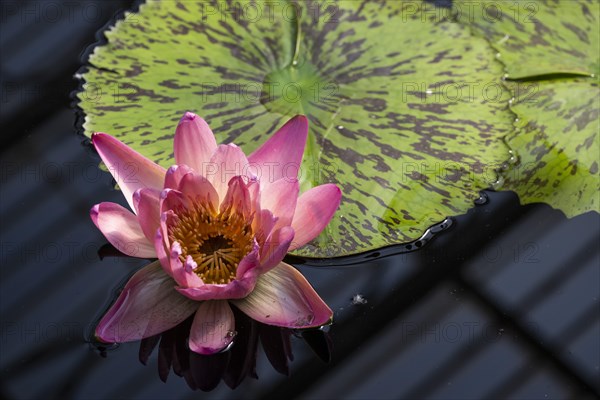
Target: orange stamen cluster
x,y
216,241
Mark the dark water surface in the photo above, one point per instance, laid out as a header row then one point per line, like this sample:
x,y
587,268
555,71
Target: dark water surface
x,y
505,304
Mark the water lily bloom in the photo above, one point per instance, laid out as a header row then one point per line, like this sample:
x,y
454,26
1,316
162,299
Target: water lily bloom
x,y
220,224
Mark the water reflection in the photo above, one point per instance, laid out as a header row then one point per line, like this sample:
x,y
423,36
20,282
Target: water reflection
x,y
234,364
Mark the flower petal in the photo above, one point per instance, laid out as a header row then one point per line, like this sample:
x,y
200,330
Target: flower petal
x,y
262,225
183,273
147,207
226,162
314,210
213,327
275,248
194,142
172,199
122,229
281,200
283,297
130,169
281,155
148,305
237,198
233,290
243,284
174,175
199,189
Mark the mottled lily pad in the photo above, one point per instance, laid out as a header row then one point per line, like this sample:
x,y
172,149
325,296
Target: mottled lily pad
x,y
551,53
406,110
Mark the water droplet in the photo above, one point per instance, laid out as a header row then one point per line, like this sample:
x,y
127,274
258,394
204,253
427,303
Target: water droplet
x,y
340,127
358,299
517,119
593,75
429,91
505,76
483,199
504,166
294,63
511,100
231,334
499,183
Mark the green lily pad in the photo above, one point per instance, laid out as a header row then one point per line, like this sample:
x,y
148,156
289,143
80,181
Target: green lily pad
x,y
550,51
406,112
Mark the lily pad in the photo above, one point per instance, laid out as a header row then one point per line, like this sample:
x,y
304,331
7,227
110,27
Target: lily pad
x,y
550,51
406,110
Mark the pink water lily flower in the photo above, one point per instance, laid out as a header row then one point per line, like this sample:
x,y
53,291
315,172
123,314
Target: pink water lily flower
x,y
220,224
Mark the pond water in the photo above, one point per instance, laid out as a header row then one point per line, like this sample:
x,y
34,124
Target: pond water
x,y
504,303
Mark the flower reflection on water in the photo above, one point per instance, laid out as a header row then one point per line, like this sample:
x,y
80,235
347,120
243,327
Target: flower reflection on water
x,y
219,240
233,365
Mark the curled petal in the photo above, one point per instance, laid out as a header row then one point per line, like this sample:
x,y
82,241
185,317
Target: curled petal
x,y
146,202
237,198
314,210
281,200
283,297
233,290
281,155
213,327
199,189
131,170
173,200
262,225
148,305
183,273
243,284
275,248
174,175
122,229
226,162
194,142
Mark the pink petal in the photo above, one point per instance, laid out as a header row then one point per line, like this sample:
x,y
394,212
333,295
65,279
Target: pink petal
x,y
171,199
161,246
174,175
148,305
122,229
262,225
281,155
314,210
199,189
247,267
194,142
283,297
281,200
246,276
237,197
147,206
233,290
130,169
275,248
226,162
183,273
213,327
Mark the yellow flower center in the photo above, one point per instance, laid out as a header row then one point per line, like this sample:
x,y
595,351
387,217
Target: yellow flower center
x,y
217,242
